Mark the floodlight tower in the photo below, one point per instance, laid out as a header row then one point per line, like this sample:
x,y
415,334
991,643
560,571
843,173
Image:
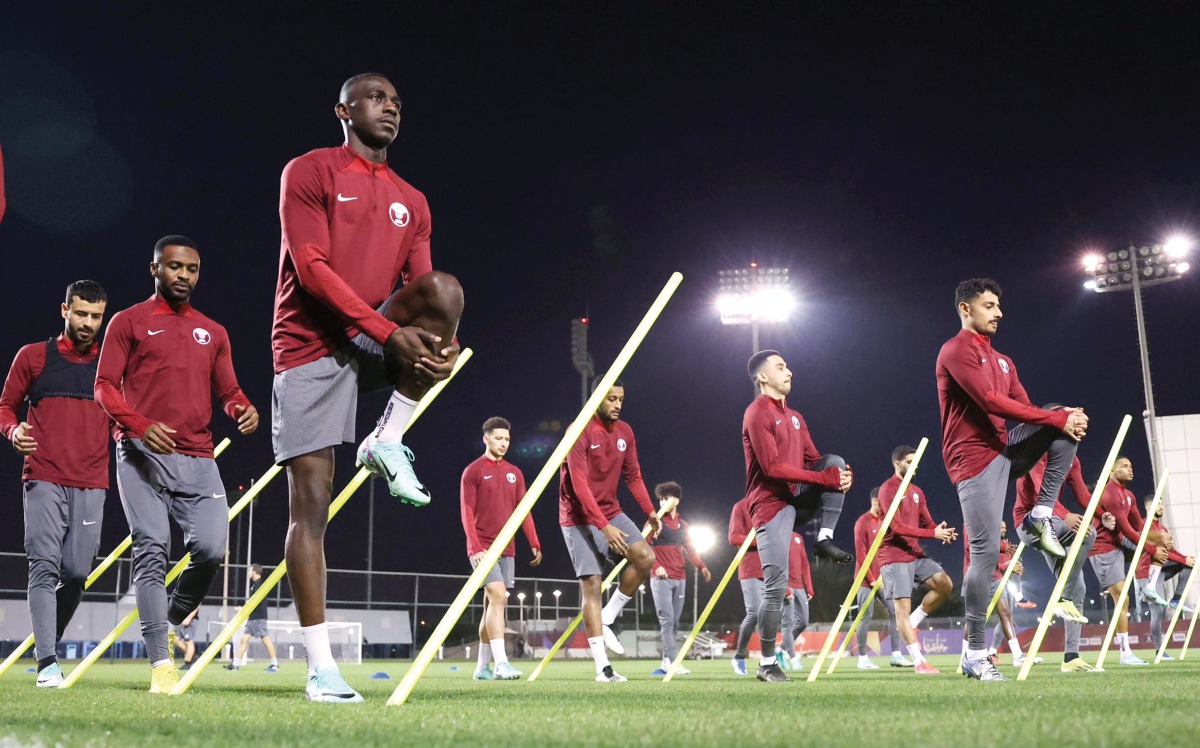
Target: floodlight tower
x,y
1132,270
754,295
580,356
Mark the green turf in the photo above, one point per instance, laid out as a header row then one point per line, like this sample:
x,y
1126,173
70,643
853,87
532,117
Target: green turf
x,y
710,707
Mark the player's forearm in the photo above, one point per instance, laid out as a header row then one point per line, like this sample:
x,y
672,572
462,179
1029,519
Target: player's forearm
x,y
110,400
319,279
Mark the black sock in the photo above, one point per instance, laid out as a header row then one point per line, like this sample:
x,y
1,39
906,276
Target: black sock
x,y
46,662
1070,656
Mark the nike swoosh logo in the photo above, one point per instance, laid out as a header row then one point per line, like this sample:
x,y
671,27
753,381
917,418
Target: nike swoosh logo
x,y
594,446
86,523
778,422
488,477
218,495
345,199
154,332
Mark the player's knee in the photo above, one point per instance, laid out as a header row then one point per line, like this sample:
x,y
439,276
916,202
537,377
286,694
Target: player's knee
x,y
442,291
943,584
73,575
834,461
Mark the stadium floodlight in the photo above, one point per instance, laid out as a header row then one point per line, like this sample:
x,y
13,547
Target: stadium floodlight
x,y
1133,269
753,296
703,539
557,594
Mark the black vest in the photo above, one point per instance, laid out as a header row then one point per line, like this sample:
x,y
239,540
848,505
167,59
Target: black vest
x,y
63,378
669,536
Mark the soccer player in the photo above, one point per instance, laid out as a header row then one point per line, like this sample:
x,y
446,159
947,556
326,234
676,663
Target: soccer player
x,y
1159,563
1108,556
64,440
1065,524
750,578
256,626
490,490
668,582
865,529
978,389
1005,629
795,603
904,565
161,359
595,528
352,231
788,482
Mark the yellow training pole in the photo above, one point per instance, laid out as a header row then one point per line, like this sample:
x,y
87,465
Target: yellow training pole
x,y
862,611
475,581
1060,584
132,616
108,561
1131,575
612,576
712,602
1003,583
866,564
1187,640
239,618
1174,620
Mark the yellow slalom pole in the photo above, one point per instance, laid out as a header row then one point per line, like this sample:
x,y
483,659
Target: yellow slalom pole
x,y
1175,619
108,561
475,581
866,563
1068,568
1131,575
608,581
862,611
999,592
712,602
1191,627
268,585
132,616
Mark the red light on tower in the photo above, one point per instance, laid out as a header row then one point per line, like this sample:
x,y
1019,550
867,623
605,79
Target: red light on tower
x,y
754,264
584,320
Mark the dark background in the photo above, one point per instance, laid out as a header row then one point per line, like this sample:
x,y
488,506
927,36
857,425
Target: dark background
x,y
575,154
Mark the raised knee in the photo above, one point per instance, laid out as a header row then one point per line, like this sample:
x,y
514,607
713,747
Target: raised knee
x,y
442,290
835,461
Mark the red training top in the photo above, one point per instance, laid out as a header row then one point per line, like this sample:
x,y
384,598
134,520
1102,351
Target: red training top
x,y
352,230
1007,550
1031,483
490,492
1122,504
71,432
1147,558
978,389
588,478
911,522
778,450
671,544
799,571
865,529
740,526
159,366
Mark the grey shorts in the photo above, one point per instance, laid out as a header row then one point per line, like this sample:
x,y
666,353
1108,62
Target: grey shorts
x,y
256,627
589,548
313,405
899,580
186,633
505,571
1109,568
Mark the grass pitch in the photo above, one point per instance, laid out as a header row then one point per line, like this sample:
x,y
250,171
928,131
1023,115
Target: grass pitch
x,y
712,706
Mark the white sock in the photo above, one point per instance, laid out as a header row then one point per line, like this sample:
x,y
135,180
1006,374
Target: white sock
x,y
485,656
914,651
864,658
395,418
1123,642
160,662
976,654
498,653
316,644
767,661
275,662
613,608
1040,512
596,644
897,654
666,663
1014,646
917,617
1152,580
825,533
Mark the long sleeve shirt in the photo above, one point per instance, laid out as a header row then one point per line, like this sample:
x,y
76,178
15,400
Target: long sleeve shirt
x,y
71,432
740,525
163,365
1122,504
490,491
352,231
589,477
978,389
911,523
866,528
779,451
799,569
671,545
1147,557
1030,484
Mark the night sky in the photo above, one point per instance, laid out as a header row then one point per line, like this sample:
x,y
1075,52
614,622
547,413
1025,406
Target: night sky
x,y
575,155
